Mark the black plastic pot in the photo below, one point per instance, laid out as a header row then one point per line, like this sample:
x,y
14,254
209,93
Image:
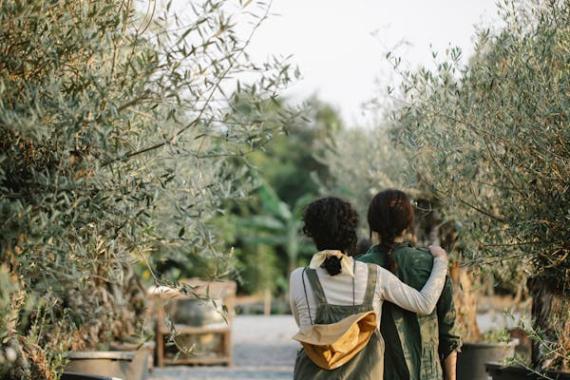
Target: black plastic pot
x,y
473,357
499,372
122,365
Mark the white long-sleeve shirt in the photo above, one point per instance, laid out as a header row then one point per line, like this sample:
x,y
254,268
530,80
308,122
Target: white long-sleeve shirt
x,y
338,290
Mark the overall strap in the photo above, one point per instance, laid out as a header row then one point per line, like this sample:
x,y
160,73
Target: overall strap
x,y
306,297
353,281
316,286
371,284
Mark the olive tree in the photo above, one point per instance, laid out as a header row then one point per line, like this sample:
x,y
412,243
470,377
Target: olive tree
x,y
364,161
115,138
492,138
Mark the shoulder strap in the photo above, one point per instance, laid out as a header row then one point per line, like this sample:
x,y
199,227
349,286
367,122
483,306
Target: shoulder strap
x,y
316,286
371,284
306,297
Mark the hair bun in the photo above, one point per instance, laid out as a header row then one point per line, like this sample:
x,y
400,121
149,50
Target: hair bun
x,y
332,265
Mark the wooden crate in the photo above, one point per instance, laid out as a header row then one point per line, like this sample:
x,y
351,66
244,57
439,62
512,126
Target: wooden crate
x,y
221,332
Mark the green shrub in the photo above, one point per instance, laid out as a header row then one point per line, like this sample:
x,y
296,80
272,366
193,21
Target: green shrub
x,y
115,139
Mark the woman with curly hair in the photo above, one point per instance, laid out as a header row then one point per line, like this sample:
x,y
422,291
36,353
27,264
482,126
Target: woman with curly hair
x,y
336,301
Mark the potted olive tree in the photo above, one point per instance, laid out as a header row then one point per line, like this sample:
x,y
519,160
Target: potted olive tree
x,y
492,139
477,348
110,119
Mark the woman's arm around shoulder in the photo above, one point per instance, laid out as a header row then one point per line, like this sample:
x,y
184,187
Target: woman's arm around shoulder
x,y
424,301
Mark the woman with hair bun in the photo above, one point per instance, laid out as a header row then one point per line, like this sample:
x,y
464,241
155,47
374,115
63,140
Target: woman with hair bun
x,y
336,301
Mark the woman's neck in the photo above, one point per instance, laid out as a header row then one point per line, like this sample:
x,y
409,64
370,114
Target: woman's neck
x,y
332,252
404,237
400,239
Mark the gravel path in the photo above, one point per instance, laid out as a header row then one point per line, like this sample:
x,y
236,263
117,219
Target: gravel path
x,y
262,349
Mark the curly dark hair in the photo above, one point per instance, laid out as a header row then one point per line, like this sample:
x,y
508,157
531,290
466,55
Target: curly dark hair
x,y
331,223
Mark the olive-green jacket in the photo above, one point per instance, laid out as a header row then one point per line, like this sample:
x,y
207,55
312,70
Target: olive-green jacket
x,y
415,345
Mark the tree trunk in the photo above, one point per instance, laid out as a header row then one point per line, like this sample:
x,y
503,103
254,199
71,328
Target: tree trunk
x,y
430,229
551,323
465,298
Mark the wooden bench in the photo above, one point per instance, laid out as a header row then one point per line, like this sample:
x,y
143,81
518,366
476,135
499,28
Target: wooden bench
x,y
166,310
263,299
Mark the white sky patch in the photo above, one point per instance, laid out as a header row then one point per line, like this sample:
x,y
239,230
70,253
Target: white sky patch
x,y
340,46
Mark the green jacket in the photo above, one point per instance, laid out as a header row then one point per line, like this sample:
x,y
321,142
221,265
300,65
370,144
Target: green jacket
x,y
415,344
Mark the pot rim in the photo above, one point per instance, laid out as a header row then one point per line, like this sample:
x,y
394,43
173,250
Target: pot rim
x,y
91,355
490,345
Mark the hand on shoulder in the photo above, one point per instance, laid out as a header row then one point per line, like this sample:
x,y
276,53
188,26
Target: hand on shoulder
x,y
438,252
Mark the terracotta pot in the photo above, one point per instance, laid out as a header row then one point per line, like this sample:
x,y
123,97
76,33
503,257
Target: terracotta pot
x,y
122,365
144,355
473,357
498,372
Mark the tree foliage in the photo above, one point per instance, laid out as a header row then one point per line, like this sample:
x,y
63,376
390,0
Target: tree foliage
x,y
116,135
363,162
492,140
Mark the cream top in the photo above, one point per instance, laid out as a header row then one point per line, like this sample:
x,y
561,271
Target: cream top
x,y
338,290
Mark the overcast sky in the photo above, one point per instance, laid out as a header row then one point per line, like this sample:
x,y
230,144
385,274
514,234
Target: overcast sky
x,y
340,46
